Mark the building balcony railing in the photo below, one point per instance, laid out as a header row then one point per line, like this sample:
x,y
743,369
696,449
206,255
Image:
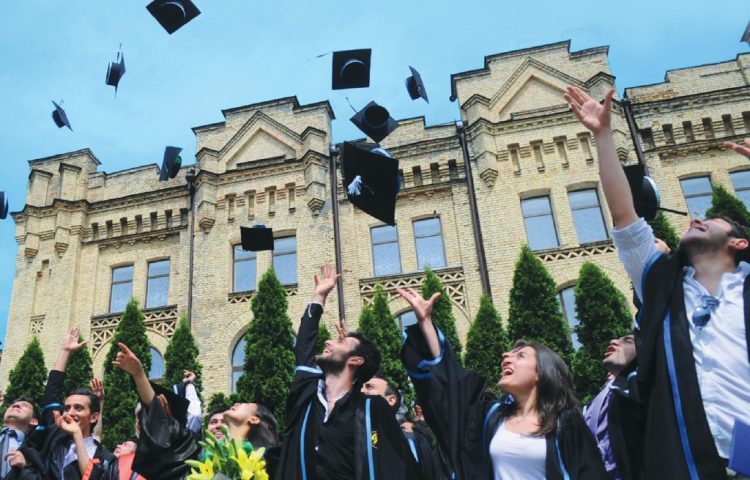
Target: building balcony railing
x,y
242,297
451,277
161,320
585,250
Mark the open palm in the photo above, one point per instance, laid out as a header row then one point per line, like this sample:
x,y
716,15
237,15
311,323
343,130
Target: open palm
x,y
592,114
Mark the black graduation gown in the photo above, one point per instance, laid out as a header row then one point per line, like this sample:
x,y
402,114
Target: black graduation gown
x,y
47,439
677,441
625,425
465,415
380,450
163,445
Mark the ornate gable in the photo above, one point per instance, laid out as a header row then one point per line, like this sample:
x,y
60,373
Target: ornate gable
x,y
261,137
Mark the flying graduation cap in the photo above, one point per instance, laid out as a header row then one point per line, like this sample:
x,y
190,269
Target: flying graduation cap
x,y
371,179
351,69
115,71
375,121
3,206
646,197
746,36
171,163
58,115
256,238
415,85
173,14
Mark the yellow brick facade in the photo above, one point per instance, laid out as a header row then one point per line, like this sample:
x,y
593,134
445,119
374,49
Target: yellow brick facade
x,y
270,163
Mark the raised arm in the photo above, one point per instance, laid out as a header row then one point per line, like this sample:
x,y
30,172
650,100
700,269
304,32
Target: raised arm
x,y
741,149
304,350
70,345
597,118
97,387
423,310
130,364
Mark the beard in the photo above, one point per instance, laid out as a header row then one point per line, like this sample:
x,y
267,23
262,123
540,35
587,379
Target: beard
x,y
692,246
330,365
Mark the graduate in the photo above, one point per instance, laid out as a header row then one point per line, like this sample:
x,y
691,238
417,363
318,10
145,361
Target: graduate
x,y
693,327
333,430
536,433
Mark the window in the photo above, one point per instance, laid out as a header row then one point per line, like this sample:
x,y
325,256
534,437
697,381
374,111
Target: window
x,y
429,239
122,288
540,226
587,216
157,366
238,362
741,183
697,193
386,259
157,287
406,319
568,303
285,259
243,279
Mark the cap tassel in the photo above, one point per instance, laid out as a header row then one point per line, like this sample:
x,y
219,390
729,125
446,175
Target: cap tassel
x,y
355,188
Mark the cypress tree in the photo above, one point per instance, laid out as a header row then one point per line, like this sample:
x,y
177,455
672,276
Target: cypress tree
x,y
379,325
725,204
602,316
28,377
664,230
323,336
269,352
78,373
182,354
534,309
119,407
442,311
486,342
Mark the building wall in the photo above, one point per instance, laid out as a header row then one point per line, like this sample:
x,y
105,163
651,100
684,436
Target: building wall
x,y
270,163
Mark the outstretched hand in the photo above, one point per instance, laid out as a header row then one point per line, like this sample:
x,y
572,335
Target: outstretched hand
x,y
741,149
97,388
71,343
422,307
341,329
592,114
127,361
325,282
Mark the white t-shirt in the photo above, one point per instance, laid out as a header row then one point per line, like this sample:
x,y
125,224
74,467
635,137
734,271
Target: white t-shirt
x,y
517,457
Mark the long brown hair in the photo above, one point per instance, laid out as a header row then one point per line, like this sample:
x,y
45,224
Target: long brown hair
x,y
555,392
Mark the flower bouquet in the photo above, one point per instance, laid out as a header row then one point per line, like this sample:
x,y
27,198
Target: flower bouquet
x,y
228,460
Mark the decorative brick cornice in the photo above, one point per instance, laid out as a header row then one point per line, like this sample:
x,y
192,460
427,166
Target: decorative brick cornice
x,y
244,297
140,237
587,250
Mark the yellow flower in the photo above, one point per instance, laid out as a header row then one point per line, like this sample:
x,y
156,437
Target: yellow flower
x,y
205,470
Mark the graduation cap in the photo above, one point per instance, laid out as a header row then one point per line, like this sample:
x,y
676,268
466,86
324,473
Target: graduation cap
x,y
58,115
257,238
415,85
178,405
351,69
371,179
646,197
173,14
3,206
746,36
171,163
375,121
115,71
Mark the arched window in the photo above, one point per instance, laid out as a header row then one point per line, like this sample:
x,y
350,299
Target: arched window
x,y
238,361
406,319
157,366
568,303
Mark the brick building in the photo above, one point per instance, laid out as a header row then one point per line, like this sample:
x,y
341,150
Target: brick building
x,y
88,240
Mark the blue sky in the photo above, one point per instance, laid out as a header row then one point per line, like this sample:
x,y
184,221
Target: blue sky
x,y
239,52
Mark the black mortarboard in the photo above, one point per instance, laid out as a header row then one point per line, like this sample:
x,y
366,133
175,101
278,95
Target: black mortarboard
x,y
257,238
3,206
173,14
171,163
646,197
115,71
178,406
351,69
371,179
375,121
415,86
746,35
58,115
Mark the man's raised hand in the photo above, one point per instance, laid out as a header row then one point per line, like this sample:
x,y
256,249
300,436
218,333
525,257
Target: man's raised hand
x,y
592,114
127,361
741,149
97,388
71,343
325,282
422,307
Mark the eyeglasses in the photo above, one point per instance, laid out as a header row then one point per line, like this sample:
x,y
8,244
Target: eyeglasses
x,y
702,314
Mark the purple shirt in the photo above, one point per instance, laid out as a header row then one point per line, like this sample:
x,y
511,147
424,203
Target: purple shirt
x,y
596,420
